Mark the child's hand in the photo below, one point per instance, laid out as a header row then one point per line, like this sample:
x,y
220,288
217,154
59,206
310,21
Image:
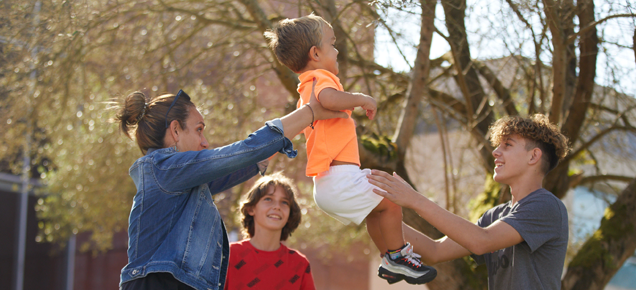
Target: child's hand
x,y
370,105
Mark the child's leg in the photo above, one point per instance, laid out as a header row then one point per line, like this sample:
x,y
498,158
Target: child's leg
x,y
373,228
384,225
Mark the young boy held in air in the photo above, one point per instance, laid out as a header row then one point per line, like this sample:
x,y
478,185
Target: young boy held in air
x,y
341,189
270,214
522,242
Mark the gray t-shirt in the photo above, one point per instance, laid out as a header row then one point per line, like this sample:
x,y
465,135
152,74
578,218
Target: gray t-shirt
x,y
536,263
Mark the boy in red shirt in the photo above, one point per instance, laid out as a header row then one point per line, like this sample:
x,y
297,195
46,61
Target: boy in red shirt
x,y
341,189
270,214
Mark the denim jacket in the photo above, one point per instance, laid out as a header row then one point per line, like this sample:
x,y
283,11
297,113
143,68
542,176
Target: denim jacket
x,y
174,225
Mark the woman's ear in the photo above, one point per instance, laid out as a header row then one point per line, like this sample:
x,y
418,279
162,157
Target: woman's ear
x,y
174,130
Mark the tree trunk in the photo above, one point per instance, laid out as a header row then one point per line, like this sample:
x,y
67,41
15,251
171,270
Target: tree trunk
x,y
557,181
480,114
418,84
559,58
568,13
603,254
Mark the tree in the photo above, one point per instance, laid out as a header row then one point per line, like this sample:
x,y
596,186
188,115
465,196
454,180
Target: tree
x,y
68,68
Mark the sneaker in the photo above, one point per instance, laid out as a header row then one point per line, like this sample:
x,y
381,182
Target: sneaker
x,y
407,267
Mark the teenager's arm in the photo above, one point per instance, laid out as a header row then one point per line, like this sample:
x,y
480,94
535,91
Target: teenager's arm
x,y
475,239
433,251
335,100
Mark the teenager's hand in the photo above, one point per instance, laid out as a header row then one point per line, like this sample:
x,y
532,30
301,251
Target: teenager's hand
x,y
394,188
320,113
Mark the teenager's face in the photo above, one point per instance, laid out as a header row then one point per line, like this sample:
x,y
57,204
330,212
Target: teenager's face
x,y
271,211
192,138
511,159
328,51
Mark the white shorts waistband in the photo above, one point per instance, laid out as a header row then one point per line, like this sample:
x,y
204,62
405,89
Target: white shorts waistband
x,y
340,168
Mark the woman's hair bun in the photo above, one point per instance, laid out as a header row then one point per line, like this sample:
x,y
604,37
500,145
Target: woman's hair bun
x,y
132,111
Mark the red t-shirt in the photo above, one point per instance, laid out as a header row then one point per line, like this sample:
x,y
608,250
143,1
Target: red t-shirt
x,y
283,269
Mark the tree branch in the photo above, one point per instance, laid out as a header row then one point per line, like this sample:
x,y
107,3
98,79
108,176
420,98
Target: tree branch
x,y
583,30
287,77
602,177
596,138
502,92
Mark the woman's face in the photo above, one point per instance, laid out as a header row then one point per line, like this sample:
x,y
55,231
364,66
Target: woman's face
x,y
192,138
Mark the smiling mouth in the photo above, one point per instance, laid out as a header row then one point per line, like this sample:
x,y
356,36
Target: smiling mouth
x,y
273,216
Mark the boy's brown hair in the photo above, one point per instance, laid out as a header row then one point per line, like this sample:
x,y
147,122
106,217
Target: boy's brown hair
x,y
538,132
291,40
260,189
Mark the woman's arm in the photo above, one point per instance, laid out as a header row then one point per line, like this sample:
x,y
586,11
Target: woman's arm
x,y
178,172
230,180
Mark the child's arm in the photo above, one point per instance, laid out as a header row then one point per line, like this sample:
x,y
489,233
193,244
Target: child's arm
x,y
335,100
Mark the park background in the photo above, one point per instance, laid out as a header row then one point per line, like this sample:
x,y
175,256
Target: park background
x,y
441,72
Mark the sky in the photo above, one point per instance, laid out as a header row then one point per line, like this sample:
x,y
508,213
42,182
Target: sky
x,y
615,60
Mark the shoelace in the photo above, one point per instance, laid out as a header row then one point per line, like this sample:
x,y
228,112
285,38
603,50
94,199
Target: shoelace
x,y
410,256
414,259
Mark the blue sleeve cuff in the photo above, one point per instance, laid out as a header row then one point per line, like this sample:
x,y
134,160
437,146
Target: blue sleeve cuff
x,y
276,125
288,147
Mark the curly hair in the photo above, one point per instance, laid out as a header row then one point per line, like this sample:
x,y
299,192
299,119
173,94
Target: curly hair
x,y
538,132
258,191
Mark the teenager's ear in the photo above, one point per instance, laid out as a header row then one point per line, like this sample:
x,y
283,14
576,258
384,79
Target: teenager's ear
x,y
313,53
250,210
536,156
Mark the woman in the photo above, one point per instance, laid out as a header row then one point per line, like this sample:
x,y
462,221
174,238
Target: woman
x,y
177,239
270,215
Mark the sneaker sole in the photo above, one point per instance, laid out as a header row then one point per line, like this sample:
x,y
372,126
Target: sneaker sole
x,y
389,276
392,277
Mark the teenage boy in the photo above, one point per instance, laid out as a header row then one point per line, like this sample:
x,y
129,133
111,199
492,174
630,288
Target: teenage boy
x,y
270,215
523,242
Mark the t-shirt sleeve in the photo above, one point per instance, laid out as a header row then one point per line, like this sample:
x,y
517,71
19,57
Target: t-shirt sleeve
x,y
537,220
308,279
323,81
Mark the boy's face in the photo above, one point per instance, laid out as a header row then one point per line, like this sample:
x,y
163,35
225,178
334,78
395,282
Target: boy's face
x,y
511,159
328,51
271,211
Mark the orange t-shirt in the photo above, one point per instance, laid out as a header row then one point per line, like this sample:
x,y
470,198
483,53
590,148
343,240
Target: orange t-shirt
x,y
332,139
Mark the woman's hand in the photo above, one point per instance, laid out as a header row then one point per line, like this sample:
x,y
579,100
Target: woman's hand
x,y
320,113
394,188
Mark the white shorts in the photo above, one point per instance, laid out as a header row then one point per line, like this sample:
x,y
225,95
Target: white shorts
x,y
344,192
